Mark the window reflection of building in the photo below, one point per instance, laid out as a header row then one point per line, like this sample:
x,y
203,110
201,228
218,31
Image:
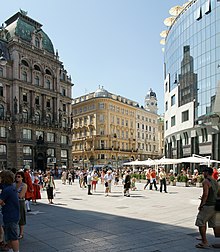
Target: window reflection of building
x,y
187,79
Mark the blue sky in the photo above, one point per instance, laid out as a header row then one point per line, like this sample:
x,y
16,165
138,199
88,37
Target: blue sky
x,y
111,43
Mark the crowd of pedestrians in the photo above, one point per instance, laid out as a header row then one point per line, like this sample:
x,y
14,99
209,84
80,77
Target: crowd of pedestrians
x,y
22,189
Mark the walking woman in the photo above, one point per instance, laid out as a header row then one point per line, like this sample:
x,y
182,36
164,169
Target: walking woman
x,y
50,185
21,190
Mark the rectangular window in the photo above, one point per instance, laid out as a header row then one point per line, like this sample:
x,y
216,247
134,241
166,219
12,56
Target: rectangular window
x,y
1,72
50,137
37,100
186,138
204,135
207,6
185,116
2,132
27,150
198,13
64,139
101,118
101,105
173,121
122,135
64,92
27,134
166,106
173,100
102,144
64,153
64,107
48,103
51,152
24,97
39,134
166,125
1,90
2,149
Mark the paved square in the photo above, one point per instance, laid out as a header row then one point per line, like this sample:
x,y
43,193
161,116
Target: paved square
x,y
147,221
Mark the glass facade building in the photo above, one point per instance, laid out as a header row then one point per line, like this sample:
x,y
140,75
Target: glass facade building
x,y
192,81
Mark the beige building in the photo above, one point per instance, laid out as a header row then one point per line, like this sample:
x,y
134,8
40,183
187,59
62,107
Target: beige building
x,y
108,129
35,98
161,136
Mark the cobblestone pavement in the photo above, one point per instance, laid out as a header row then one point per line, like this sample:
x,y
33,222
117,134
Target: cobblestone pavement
x,y
147,221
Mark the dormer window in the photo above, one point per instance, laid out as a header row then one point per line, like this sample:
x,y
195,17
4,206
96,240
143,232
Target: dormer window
x,y
37,42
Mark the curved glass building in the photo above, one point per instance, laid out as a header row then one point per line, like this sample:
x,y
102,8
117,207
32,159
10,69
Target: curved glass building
x,y
192,80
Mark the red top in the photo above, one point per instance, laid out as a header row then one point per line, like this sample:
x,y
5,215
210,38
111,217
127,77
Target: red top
x,y
215,174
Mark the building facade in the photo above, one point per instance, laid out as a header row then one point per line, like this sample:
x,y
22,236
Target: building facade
x,y
147,128
110,129
35,98
192,80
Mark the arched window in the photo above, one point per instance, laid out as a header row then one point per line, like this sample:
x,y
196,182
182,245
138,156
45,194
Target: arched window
x,y
25,115
36,67
48,84
24,62
37,80
2,112
37,117
37,42
48,72
64,123
24,75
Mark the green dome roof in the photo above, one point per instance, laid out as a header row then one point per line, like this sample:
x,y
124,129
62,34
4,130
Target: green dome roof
x,y
22,26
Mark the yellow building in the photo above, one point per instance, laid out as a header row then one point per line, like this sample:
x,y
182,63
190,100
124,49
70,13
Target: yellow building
x,y
105,130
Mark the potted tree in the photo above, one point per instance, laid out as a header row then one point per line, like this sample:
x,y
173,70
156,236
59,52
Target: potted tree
x,y
182,180
172,180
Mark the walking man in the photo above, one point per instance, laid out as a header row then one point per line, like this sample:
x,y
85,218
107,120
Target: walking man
x,y
206,208
127,184
163,182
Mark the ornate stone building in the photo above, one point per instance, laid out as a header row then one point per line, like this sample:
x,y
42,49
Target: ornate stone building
x,y
110,129
35,98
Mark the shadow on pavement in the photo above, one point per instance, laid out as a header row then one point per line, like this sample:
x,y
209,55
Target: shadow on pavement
x,y
53,228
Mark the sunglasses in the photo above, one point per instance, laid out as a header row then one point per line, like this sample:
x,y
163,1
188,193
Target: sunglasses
x,y
18,176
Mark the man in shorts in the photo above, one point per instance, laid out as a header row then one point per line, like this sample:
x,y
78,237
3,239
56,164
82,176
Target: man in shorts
x,y
10,209
206,208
